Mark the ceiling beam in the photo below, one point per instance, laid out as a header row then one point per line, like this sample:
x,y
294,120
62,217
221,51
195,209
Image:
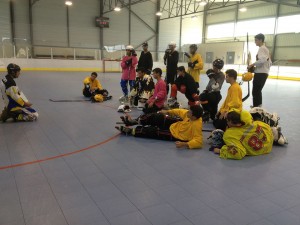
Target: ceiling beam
x,y
281,2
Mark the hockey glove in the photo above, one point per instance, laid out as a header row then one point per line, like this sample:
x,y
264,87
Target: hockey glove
x,y
128,62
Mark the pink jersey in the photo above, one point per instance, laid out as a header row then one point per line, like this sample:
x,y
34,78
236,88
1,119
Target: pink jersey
x,y
128,71
160,93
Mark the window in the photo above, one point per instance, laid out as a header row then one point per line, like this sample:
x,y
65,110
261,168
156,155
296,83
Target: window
x,y
220,30
288,24
253,27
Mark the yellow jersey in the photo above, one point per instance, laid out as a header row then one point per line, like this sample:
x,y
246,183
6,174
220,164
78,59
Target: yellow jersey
x,y
93,84
195,72
187,130
233,99
254,138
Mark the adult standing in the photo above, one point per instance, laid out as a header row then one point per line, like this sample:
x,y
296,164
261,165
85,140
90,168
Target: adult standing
x,y
261,69
171,58
145,60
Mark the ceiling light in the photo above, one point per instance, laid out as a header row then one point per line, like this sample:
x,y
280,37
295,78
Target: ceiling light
x,y
159,13
202,2
243,9
117,9
68,3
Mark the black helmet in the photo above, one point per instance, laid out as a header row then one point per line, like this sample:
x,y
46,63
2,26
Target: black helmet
x,y
194,46
13,68
218,63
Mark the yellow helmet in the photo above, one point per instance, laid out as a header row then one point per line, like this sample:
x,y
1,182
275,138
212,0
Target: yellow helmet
x,y
98,98
247,76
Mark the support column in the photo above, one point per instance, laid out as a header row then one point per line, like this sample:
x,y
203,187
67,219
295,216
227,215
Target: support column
x,y
275,32
129,23
31,28
12,21
68,27
157,31
204,25
180,28
101,31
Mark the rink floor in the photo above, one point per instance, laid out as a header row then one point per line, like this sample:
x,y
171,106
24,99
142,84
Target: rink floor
x,y
72,166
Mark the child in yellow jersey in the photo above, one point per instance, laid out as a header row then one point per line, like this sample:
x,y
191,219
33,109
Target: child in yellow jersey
x,y
245,136
195,64
186,132
92,87
233,100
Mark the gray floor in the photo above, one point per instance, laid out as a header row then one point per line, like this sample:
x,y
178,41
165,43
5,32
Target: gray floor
x,y
131,181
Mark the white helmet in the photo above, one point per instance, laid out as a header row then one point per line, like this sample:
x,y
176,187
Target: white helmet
x,y
172,43
129,47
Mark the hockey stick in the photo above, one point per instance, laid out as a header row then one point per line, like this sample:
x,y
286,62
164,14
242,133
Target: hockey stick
x,y
66,100
248,63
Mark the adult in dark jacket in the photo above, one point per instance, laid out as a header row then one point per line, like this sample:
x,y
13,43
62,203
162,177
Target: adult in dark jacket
x,y
171,58
145,60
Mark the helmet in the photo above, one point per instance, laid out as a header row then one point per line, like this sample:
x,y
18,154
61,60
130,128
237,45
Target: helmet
x,y
194,46
172,43
247,76
124,108
98,98
210,73
13,68
218,63
129,47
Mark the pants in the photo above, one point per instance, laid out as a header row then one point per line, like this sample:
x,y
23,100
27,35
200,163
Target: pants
x,y
153,109
184,91
87,93
170,77
156,126
124,86
259,81
213,99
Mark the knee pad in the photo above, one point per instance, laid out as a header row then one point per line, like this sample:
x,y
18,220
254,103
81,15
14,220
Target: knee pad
x,y
183,89
173,91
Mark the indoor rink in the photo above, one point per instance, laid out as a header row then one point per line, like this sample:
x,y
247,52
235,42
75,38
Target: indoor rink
x,y
71,166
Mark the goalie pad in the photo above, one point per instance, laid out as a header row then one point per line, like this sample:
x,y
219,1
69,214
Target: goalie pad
x,y
216,139
278,136
262,115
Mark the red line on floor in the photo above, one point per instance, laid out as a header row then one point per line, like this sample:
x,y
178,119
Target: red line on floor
x,y
59,156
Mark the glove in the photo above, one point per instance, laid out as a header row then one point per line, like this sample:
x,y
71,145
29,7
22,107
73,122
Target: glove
x,y
195,97
128,62
87,86
194,63
187,55
190,64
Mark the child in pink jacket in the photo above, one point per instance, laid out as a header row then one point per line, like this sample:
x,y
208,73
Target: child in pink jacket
x,y
128,65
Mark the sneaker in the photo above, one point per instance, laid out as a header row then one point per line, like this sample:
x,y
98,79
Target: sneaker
x,y
171,101
128,121
205,117
123,99
124,130
176,105
107,98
